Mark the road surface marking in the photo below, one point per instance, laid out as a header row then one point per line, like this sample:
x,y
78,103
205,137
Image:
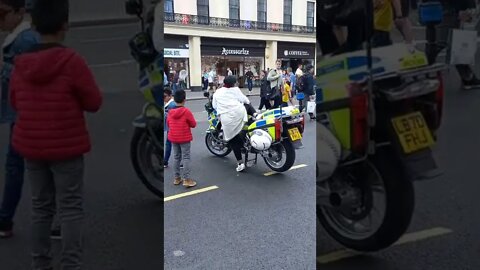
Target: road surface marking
x,y
407,238
292,168
190,193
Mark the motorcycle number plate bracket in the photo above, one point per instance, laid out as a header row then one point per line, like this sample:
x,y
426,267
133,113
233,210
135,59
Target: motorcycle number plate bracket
x,y
295,134
412,132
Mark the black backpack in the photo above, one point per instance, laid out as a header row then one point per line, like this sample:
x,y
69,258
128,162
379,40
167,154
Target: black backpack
x,y
300,84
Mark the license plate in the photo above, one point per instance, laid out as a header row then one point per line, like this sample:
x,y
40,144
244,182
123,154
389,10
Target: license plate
x,y
294,134
413,132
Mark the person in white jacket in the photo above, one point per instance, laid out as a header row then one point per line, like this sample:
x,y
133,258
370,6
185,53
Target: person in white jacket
x,y
229,102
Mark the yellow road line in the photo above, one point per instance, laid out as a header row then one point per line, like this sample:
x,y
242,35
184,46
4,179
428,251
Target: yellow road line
x,y
190,193
407,238
292,168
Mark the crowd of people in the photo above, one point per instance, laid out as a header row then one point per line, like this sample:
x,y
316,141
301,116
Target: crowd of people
x,y
278,88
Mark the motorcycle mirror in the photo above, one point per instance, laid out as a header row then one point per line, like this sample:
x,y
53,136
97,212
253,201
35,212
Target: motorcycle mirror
x,y
134,7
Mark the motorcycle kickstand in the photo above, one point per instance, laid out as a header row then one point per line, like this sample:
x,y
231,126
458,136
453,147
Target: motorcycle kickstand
x,y
248,160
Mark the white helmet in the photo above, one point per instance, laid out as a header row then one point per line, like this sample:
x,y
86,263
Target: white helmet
x,y
260,140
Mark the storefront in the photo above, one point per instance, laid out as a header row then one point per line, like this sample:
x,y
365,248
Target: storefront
x,y
293,54
176,54
237,55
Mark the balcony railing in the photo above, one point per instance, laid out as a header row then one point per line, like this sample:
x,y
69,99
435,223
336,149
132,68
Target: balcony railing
x,y
213,22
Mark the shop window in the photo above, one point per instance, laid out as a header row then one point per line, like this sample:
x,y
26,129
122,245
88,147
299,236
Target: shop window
x,y
287,15
169,11
262,14
203,12
234,13
310,16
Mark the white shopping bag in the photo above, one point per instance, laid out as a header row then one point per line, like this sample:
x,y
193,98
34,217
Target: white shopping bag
x,y
311,105
463,47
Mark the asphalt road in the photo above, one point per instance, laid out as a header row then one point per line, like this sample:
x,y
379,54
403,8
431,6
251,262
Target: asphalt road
x,y
251,221
449,202
124,221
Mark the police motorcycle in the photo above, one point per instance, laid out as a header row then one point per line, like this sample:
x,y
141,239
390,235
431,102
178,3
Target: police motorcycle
x,y
377,121
146,147
272,134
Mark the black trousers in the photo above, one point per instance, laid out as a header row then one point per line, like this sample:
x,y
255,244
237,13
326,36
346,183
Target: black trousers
x,y
236,144
264,102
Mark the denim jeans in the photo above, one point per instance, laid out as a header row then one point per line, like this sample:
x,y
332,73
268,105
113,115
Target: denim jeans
x,y
14,177
168,150
250,85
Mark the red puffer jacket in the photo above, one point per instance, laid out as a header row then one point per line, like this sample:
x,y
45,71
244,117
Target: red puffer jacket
x,y
180,121
51,89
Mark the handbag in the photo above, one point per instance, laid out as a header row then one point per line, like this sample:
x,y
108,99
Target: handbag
x,y
300,96
463,47
311,105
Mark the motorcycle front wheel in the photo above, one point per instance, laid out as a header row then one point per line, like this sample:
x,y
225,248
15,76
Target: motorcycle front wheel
x,y
216,147
378,207
147,161
281,157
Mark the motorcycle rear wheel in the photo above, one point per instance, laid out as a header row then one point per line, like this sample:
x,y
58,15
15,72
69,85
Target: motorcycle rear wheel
x,y
397,214
141,152
284,151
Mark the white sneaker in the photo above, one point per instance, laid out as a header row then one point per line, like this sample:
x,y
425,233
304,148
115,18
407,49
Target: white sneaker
x,y
240,167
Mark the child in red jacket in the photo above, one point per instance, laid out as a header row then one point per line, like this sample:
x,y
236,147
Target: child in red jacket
x,y
180,121
52,88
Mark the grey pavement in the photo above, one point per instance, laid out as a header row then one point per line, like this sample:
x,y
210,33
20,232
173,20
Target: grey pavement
x,y
198,95
251,221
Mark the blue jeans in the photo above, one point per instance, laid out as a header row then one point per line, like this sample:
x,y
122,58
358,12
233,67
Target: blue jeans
x,y
14,172
168,150
250,85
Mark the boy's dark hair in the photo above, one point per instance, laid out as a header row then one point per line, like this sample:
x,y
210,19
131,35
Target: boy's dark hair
x,y
167,91
15,4
288,82
179,96
49,16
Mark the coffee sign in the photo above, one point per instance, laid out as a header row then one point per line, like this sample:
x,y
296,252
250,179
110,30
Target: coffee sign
x,y
295,53
296,50
235,51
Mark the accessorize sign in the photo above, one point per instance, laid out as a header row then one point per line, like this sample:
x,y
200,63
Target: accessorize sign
x,y
242,51
232,51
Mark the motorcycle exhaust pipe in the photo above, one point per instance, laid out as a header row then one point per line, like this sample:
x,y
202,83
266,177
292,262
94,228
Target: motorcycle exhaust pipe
x,y
325,198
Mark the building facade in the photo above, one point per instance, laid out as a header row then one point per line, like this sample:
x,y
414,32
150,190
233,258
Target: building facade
x,y
237,34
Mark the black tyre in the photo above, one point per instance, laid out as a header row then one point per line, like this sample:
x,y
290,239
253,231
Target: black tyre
x,y
147,161
281,156
393,220
216,147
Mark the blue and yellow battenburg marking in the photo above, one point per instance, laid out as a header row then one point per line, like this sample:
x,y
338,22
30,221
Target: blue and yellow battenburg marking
x,y
213,120
151,80
266,124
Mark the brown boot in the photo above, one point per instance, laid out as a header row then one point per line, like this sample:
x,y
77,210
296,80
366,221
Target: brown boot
x,y
189,183
177,181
